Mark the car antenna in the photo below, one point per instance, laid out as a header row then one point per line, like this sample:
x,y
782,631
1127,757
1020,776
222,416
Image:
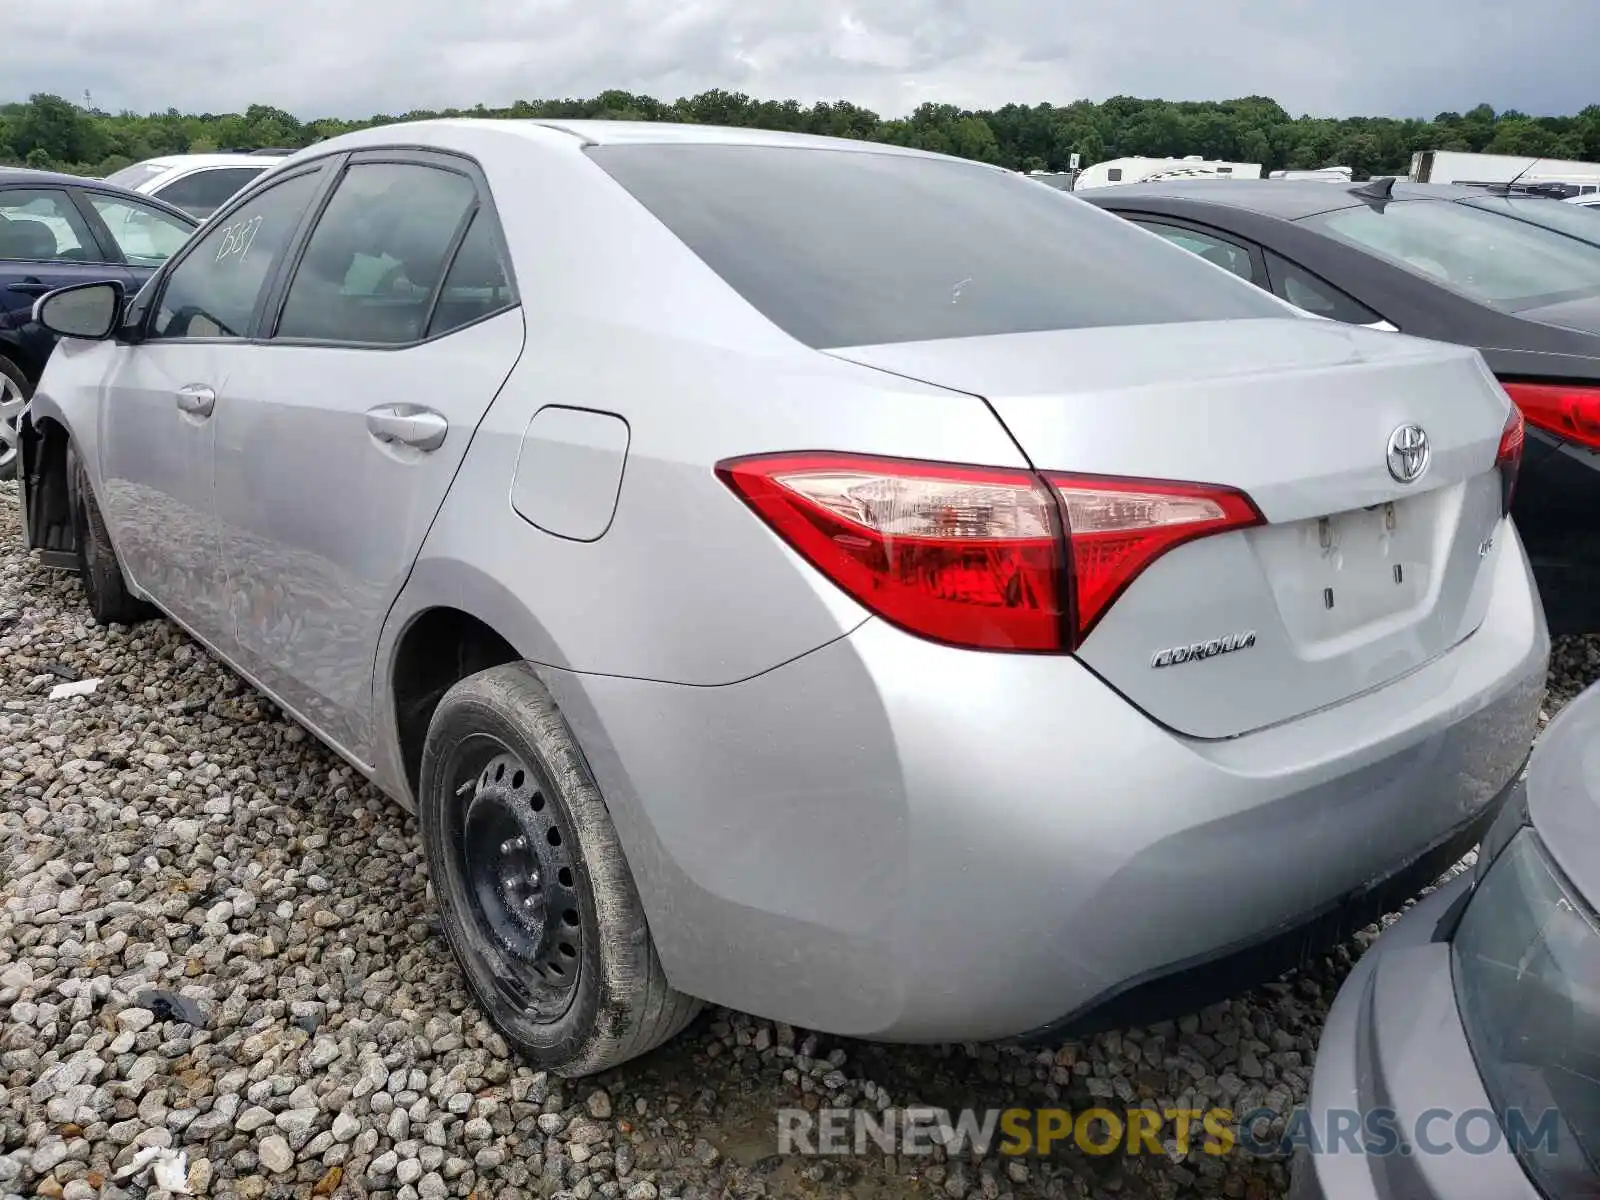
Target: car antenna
x,y
1504,189
1380,191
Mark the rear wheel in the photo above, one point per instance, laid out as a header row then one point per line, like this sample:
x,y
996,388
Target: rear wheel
x,y
14,393
535,895
104,585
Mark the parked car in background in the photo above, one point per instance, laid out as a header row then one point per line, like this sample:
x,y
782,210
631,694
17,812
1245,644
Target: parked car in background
x,y
196,183
773,587
1439,262
56,230
1483,999
1589,201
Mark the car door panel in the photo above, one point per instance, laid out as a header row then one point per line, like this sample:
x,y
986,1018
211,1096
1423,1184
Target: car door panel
x,y
156,479
157,431
340,437
322,515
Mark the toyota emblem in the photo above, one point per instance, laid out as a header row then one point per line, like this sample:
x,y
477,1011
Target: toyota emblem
x,y
1408,453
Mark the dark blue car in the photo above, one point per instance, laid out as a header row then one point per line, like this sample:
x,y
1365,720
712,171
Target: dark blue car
x,y
56,230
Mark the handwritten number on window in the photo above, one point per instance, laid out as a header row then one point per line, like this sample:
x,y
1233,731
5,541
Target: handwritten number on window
x,y
238,238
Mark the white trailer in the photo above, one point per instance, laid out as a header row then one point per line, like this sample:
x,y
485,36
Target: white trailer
x,y
1331,174
1457,166
1146,170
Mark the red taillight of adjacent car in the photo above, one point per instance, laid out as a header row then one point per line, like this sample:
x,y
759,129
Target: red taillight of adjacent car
x,y
979,557
1508,458
1571,413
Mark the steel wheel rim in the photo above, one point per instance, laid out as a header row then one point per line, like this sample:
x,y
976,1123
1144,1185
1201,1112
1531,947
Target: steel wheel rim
x,y
12,402
515,876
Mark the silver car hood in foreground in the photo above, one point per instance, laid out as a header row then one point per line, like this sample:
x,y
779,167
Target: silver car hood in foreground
x,y
1564,792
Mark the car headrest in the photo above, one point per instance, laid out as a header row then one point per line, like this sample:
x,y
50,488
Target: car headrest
x,y
25,238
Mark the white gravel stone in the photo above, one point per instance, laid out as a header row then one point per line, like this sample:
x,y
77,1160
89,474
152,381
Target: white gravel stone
x,y
275,1154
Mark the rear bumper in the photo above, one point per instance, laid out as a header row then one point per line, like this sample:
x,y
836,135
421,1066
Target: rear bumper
x,y
1394,1048
893,839
1216,976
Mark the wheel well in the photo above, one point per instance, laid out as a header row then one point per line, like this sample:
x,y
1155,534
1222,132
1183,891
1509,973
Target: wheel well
x,y
439,649
50,496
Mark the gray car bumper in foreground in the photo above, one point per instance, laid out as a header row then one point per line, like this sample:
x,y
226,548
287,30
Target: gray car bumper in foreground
x,y
1394,1050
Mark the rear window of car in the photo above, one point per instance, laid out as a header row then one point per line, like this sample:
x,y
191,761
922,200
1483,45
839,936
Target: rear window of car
x,y
1574,220
851,248
1504,263
132,177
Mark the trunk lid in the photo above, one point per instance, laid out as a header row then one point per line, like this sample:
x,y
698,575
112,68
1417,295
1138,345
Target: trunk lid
x,y
1355,579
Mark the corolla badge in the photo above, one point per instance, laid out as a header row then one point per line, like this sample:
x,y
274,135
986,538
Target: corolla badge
x,y
1408,453
1197,651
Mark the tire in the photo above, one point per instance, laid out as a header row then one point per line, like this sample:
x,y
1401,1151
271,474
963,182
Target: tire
x,y
104,585
14,392
534,892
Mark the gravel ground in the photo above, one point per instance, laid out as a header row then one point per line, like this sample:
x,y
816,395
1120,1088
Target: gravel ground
x,y
216,939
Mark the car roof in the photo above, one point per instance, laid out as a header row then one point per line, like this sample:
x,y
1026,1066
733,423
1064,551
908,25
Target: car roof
x,y
26,177
580,133
10,176
1286,199
211,160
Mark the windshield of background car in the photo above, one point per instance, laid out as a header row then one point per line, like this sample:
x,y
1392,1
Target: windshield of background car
x,y
1504,263
1574,220
848,248
132,177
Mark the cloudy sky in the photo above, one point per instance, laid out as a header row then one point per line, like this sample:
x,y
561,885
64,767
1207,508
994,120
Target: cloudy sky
x,y
357,57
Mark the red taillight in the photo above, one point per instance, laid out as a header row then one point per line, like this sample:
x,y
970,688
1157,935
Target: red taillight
x,y
1508,458
977,556
1568,412
1118,527
966,555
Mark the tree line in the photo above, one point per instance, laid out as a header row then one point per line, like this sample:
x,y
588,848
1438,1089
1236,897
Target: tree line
x,y
50,132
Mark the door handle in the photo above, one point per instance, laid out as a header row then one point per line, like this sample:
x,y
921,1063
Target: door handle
x,y
30,285
197,399
408,424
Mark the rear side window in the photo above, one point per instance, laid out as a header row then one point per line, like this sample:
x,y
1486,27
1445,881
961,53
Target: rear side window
x,y
43,225
203,192
375,259
1304,290
146,236
1499,261
852,248
1228,255
477,284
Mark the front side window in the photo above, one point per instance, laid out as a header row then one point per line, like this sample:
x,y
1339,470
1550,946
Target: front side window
x,y
1504,263
1313,294
376,257
146,236
863,247
213,291
43,225
202,192
1228,255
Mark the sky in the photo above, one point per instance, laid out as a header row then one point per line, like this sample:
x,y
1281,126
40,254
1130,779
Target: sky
x,y
352,58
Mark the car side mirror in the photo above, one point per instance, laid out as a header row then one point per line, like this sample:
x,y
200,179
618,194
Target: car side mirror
x,y
90,311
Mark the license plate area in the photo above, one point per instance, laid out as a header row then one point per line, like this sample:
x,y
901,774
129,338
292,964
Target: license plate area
x,y
1333,576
